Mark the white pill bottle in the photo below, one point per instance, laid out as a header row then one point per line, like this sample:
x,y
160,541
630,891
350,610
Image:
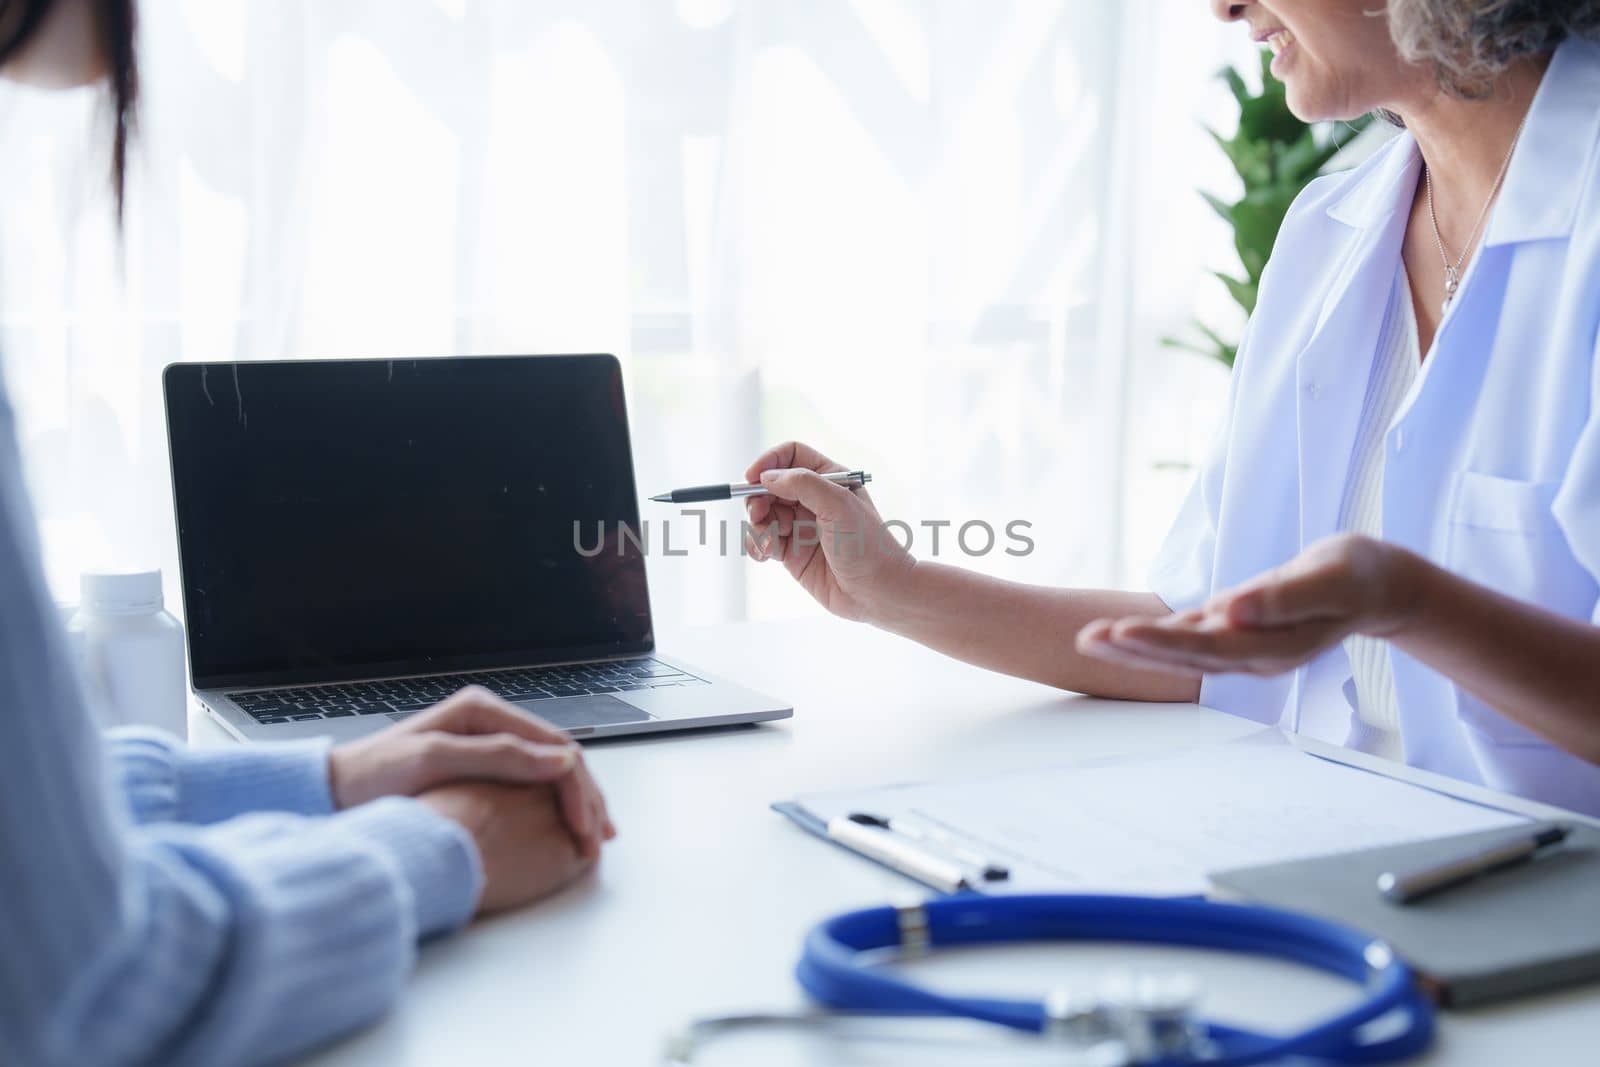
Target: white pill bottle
x,y
130,651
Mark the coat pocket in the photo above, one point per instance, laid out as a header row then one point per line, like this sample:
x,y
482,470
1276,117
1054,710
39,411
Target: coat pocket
x,y
1504,505
1503,535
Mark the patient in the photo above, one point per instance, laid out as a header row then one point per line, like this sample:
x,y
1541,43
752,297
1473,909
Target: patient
x,y
1395,544
236,906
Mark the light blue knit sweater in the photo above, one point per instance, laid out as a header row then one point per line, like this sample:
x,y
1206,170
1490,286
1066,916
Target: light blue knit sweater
x,y
170,906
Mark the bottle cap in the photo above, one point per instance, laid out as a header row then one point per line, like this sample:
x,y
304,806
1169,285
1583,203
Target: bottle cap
x,y
120,593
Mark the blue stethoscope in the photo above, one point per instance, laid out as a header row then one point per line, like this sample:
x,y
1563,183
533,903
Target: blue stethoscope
x,y
1145,1022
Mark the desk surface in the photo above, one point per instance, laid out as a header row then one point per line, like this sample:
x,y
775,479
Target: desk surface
x,y
700,904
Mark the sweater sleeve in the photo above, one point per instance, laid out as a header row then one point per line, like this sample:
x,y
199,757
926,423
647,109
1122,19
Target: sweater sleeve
x,y
245,941
163,780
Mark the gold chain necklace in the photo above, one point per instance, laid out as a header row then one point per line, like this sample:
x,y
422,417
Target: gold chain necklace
x,y
1452,271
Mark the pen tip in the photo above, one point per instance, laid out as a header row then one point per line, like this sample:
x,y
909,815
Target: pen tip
x,y
662,498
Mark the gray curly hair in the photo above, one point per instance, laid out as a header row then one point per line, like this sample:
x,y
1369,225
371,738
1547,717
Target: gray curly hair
x,y
1471,42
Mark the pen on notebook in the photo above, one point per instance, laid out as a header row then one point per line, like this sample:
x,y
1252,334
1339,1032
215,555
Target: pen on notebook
x,y
991,871
696,494
1406,886
898,853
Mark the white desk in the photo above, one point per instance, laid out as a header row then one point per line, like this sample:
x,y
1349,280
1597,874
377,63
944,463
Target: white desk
x,y
700,904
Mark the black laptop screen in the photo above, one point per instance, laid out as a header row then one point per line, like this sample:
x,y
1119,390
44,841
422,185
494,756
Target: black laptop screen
x,y
339,519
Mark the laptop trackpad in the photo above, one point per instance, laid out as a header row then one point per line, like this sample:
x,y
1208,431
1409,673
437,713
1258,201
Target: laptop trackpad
x,y
574,713
571,713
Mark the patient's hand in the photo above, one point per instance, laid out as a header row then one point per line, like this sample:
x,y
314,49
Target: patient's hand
x,y
527,850
474,736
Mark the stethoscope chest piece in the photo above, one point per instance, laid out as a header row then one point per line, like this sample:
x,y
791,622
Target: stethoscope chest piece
x,y
1129,1019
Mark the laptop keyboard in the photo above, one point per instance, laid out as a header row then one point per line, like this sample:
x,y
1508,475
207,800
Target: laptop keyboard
x,y
303,703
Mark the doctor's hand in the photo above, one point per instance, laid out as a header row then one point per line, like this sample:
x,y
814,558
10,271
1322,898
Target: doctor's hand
x,y
1273,623
473,736
523,841
829,537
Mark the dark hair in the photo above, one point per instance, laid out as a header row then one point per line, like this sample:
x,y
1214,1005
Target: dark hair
x,y
116,24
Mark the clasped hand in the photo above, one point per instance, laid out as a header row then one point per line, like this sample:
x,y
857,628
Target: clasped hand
x,y
515,783
1344,585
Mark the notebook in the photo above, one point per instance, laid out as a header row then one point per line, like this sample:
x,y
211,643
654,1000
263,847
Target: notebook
x,y
1527,928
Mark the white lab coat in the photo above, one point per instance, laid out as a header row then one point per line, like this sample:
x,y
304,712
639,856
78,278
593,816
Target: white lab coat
x,y
1493,463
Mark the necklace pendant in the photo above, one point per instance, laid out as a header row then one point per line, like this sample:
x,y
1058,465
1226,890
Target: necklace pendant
x,y
1452,281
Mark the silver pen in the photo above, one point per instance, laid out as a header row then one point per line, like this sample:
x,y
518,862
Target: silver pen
x,y
698,493
1407,886
936,839
899,854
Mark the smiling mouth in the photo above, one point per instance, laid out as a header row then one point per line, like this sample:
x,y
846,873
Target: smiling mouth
x,y
1278,40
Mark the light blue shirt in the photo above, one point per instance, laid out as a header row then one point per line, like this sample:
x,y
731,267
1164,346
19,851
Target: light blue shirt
x,y
1492,467
145,918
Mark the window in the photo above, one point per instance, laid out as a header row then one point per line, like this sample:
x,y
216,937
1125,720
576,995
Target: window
x,y
936,239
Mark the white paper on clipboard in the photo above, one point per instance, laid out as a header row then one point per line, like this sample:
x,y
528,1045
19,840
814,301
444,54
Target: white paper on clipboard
x,y
1156,824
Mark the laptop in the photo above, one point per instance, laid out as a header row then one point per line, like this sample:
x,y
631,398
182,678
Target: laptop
x,y
359,539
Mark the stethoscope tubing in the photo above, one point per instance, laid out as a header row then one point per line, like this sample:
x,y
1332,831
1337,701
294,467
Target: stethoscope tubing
x,y
831,972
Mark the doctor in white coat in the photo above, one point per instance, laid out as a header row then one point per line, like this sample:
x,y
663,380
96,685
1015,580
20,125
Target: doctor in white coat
x,y
1396,542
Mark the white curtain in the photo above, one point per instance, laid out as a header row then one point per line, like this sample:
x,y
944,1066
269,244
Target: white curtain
x,y
938,239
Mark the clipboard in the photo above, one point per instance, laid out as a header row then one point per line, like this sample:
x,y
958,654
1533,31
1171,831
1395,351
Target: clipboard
x,y
1158,824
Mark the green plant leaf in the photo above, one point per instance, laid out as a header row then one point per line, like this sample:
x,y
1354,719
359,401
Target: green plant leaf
x,y
1219,350
1256,221
1220,206
1211,335
1242,291
1303,159
1266,117
1230,149
1188,346
1241,92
